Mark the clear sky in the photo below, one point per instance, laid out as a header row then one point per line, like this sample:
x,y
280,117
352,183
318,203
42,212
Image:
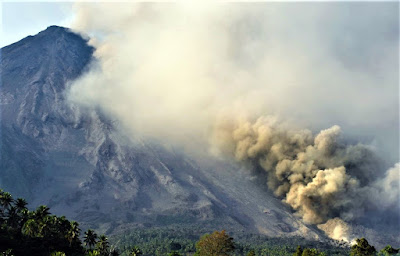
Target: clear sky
x,y
20,19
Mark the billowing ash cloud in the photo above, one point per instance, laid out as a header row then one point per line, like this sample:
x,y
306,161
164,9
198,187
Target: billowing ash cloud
x,y
191,74
320,177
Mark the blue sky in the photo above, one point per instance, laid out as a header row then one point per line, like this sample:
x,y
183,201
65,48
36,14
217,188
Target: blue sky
x,y
20,19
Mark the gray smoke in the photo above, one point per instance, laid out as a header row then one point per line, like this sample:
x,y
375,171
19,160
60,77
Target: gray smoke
x,y
321,178
186,74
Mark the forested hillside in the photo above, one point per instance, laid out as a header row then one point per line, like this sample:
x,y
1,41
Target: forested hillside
x,y
38,232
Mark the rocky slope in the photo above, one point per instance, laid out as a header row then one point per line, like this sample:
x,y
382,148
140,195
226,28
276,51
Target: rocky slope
x,y
78,163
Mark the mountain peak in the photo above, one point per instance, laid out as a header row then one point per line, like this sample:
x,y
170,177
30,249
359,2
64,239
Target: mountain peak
x,y
55,27
56,31
53,37
57,50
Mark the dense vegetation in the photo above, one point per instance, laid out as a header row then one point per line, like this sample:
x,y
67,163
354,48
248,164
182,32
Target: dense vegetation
x,y
25,232
37,232
160,241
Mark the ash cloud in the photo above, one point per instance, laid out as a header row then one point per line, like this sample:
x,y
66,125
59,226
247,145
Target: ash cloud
x,y
317,175
223,76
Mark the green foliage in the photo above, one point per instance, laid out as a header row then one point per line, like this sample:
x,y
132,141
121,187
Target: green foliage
x,y
174,253
175,246
155,241
217,244
389,250
5,200
103,245
251,253
114,252
362,248
73,232
8,252
57,254
298,252
93,253
312,252
40,233
135,251
90,238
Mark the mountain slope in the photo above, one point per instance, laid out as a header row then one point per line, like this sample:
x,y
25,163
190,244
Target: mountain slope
x,y
78,162
34,117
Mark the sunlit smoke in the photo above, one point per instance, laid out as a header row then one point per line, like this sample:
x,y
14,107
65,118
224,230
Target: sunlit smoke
x,y
313,174
224,76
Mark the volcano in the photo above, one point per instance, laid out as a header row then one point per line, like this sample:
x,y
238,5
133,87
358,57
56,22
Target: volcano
x,y
78,162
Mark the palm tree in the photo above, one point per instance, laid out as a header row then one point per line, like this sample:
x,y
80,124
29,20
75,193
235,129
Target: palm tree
x,y
102,245
6,199
73,232
25,215
90,238
41,212
13,218
20,204
114,252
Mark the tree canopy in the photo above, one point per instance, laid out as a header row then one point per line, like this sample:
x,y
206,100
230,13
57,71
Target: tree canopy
x,y
216,244
41,233
362,248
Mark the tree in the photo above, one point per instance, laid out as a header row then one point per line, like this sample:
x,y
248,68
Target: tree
x,y
25,214
37,232
47,225
299,251
73,232
362,248
30,228
135,251
114,252
102,245
251,253
90,238
41,212
5,199
312,252
20,204
13,217
175,246
216,244
389,250
63,225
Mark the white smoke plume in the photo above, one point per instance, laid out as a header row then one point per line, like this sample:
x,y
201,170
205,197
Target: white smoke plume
x,y
198,74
